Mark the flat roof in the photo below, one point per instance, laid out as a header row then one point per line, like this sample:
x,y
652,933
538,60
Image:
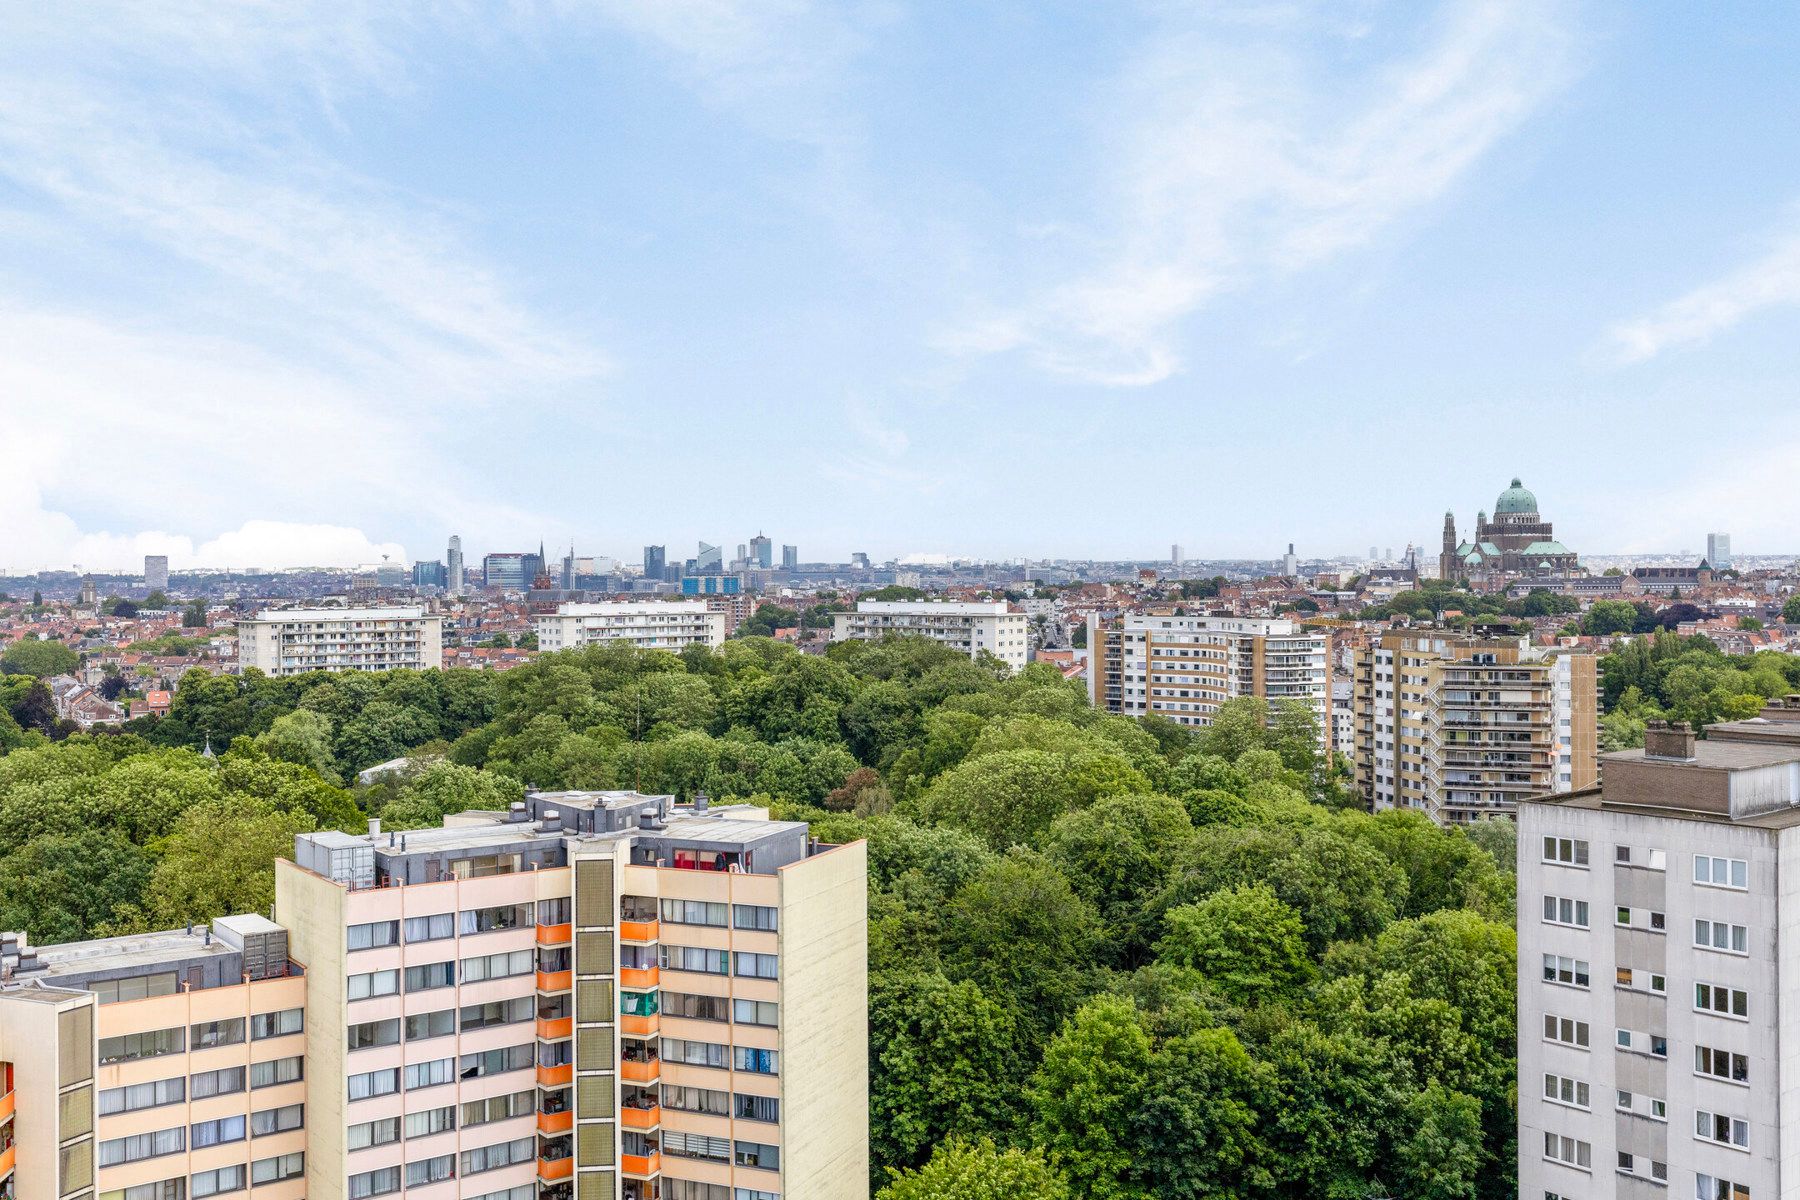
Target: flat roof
x,y
1590,799
336,614
131,950
1719,755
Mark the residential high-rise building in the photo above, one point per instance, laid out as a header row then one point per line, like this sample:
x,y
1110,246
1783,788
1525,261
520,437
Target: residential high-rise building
x,y
455,582
156,572
1718,551
506,571
1290,566
656,562
296,640
1462,728
1185,667
651,624
1656,936
762,552
790,558
971,626
1175,556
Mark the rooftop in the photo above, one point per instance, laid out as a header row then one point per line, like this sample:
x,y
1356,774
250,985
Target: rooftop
x,y
338,614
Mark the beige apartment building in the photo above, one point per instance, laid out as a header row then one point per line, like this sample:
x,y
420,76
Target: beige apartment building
x,y
293,641
973,627
647,624
592,996
1185,667
1462,727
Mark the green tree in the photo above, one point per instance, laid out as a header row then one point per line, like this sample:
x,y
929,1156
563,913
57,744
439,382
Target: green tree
x,y
67,887
1608,617
443,788
194,615
221,860
1790,611
303,737
961,1170
39,658
1245,941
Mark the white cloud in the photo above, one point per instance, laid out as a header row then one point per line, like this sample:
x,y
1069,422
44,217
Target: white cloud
x,y
1231,157
1752,501
1771,281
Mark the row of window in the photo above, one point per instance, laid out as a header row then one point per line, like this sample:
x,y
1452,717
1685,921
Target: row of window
x,y
1708,1060
441,1023
140,1146
717,962
425,977
1715,1127
128,1047
441,1167
1709,870
1713,998
707,912
715,1054
721,1104
441,1071
717,1149
436,926
223,1082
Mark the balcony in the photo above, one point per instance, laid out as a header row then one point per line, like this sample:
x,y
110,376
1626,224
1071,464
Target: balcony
x,y
638,977
556,1122
639,1026
639,931
559,1076
8,1159
556,1168
8,1103
646,1071
641,1165
553,935
554,1029
640,1118
555,981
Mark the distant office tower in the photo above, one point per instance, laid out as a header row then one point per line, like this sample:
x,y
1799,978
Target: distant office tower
x,y
790,558
390,574
1461,728
505,571
156,572
859,559
1183,668
712,585
656,561
296,640
568,570
651,624
1388,555
1372,555
971,626
762,552
1718,550
710,558
1175,555
429,574
453,560
1290,566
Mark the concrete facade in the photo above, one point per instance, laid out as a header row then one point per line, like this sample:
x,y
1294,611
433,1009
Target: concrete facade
x,y
974,627
295,641
648,624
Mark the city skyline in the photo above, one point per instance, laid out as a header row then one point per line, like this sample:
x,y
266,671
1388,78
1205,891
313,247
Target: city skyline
x,y
300,289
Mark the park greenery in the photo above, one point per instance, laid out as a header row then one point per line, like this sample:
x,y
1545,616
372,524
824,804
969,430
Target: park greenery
x,y
1109,959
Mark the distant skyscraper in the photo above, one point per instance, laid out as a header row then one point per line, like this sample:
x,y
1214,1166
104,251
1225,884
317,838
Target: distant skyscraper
x,y
1290,566
156,572
428,573
453,572
1175,556
710,558
1718,550
762,551
656,560
506,571
1372,555
1388,555
860,559
790,558
568,570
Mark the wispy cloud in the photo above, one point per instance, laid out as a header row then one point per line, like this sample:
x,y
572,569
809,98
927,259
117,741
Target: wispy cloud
x,y
1239,157
1771,280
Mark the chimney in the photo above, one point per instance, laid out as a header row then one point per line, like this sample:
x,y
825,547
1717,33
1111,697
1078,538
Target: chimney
x,y
700,802
374,827
1669,741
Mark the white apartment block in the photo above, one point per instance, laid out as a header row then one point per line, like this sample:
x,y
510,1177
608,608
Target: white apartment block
x,y
1658,920
649,624
1184,668
296,640
971,626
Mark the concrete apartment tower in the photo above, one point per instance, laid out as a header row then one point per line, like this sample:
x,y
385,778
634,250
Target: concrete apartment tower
x,y
1658,915
156,572
453,564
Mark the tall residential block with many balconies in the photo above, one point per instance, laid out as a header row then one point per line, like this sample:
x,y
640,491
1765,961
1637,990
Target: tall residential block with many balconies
x,y
293,641
647,624
1462,728
974,627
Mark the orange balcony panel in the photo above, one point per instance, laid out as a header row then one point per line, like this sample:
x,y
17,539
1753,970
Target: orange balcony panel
x,y
560,1122
638,1026
641,1165
638,977
8,1157
555,1028
553,935
8,1103
555,1076
639,931
640,1072
556,1168
640,1118
555,981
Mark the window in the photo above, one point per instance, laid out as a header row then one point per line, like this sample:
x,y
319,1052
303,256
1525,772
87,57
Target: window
x,y
110,991
282,1166
502,1154
749,1058
1567,851
1643,1106
142,1145
374,983
374,1183
1726,1002
212,1183
753,916
218,1132
1639,980
280,1070
143,1095
752,1194
761,966
492,1062
499,1012
699,1054
429,1074
497,1108
695,912
1560,1089
129,1047
1634,1164
1706,1187
217,1033
1721,872
441,1023
1572,972
1649,858
1653,1044
432,1120
426,976
498,966
1568,1151
686,1189
1717,1127
367,1034
554,912
277,1120
432,928
756,1108
758,1154
372,1133
693,958
677,1004
431,1170
755,1012
374,1083
693,1099
277,1024
222,1082
1717,935
696,1145
1708,1060
371,935
1561,910
1641,918
486,920
1566,1030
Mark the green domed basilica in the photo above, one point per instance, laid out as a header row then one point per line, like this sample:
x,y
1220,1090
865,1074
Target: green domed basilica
x,y
1516,544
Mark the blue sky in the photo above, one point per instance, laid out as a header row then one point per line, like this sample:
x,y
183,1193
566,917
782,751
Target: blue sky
x,y
285,284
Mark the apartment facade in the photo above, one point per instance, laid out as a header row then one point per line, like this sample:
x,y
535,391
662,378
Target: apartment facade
x,y
1657,918
297,640
970,626
1185,667
648,624
1463,728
